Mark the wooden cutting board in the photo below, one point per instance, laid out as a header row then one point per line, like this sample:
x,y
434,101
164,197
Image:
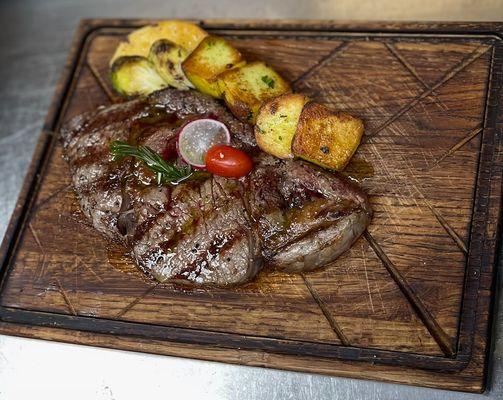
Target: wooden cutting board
x,y
410,302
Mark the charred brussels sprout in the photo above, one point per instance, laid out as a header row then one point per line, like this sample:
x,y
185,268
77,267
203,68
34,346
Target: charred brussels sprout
x,y
135,75
167,58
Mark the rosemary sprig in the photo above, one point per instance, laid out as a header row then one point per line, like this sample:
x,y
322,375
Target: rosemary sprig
x,y
165,172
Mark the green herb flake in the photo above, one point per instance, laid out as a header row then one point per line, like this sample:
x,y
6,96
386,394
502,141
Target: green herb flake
x,y
282,116
268,81
325,149
249,117
280,138
260,130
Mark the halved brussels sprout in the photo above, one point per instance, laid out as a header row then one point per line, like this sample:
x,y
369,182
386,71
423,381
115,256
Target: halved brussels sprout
x,y
167,58
135,75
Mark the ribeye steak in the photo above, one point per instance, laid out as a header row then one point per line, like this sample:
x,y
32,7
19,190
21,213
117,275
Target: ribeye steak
x,y
290,215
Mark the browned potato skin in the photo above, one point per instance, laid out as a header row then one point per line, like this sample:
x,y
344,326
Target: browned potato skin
x,y
213,56
277,122
240,109
326,138
243,96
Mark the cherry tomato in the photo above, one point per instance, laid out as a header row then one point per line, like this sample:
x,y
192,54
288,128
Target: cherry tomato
x,y
228,161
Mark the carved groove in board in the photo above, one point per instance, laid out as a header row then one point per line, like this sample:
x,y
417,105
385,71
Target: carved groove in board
x,y
479,52
326,312
323,61
473,133
89,268
406,64
394,51
62,290
444,341
440,218
450,231
137,300
49,198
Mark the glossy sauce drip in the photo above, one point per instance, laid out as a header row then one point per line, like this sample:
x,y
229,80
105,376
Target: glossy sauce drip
x,y
170,153
157,114
118,257
359,170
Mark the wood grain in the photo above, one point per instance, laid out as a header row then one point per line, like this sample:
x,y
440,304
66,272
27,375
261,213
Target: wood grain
x,y
409,300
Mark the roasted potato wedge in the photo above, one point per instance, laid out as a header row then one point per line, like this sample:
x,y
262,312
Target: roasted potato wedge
x,y
183,33
326,138
167,58
135,75
244,89
213,56
277,123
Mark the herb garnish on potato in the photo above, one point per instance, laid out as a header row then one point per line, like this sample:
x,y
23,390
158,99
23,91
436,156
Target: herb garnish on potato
x,y
277,123
246,88
326,138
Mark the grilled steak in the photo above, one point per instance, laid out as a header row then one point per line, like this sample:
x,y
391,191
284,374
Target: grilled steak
x,y
210,231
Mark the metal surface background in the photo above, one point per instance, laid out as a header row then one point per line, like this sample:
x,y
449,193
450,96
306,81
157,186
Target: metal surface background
x,y
34,39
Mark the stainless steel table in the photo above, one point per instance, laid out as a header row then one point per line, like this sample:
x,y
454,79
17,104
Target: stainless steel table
x,y
34,39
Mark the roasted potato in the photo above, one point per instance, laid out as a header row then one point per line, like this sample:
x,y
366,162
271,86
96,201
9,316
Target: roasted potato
x,y
326,138
213,56
277,123
244,89
135,75
183,33
167,58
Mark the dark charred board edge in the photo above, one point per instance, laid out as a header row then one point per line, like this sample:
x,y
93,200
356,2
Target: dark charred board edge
x,y
34,175
254,358
482,253
449,28
483,257
228,340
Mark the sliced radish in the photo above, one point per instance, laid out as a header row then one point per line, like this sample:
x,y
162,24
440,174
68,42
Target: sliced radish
x,y
198,136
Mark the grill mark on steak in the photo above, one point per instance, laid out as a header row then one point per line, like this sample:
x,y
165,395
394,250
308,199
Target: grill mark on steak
x,y
218,248
92,157
328,217
212,231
